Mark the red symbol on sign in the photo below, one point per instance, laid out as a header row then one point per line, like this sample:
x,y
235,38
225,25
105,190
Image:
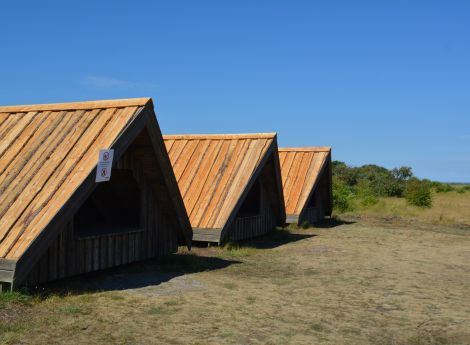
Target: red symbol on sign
x,y
104,172
105,156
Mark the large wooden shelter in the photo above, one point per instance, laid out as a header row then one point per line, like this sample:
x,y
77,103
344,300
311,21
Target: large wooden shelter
x,y
231,184
55,220
306,179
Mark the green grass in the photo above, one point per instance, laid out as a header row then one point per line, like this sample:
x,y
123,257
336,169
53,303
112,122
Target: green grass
x,y
14,297
157,311
448,208
71,310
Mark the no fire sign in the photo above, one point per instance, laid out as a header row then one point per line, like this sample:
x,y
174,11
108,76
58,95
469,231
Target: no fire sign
x,y
105,164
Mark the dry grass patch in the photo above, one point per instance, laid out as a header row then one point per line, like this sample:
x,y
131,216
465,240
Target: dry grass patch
x,y
450,208
359,283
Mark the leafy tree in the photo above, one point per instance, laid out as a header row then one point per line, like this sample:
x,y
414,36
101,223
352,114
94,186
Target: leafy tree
x,y
418,193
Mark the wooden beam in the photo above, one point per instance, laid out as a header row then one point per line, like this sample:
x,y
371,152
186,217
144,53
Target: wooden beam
x,y
306,149
6,276
206,235
219,136
168,174
7,264
117,103
326,163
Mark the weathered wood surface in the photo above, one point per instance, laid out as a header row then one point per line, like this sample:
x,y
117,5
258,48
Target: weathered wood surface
x,y
70,254
114,103
48,157
213,171
206,235
46,160
302,170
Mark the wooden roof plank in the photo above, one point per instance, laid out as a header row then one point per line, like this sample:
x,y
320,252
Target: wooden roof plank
x,y
219,136
19,199
238,157
226,172
18,176
73,158
293,171
93,140
215,173
195,190
9,169
73,106
7,139
9,122
235,189
181,162
190,172
299,175
14,149
213,179
299,179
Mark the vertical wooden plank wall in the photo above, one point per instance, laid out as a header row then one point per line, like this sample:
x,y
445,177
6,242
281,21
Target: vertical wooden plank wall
x,y
248,227
69,255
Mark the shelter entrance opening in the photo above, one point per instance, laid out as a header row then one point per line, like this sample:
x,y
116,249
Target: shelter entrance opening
x,y
113,207
252,204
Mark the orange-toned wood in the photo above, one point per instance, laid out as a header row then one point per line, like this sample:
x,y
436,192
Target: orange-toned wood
x,y
301,168
219,136
117,103
74,174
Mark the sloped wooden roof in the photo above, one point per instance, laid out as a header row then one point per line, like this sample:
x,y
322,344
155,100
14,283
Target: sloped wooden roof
x,y
46,152
300,169
213,171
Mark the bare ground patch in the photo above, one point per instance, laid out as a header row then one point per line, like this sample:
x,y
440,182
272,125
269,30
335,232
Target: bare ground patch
x,y
365,282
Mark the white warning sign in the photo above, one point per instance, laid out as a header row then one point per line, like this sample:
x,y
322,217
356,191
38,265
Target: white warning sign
x,y
105,163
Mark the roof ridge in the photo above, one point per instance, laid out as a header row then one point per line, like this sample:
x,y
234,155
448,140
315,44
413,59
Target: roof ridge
x,y
306,149
220,136
109,103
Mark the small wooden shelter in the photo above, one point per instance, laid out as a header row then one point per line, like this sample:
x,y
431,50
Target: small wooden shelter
x,y
55,220
306,179
231,184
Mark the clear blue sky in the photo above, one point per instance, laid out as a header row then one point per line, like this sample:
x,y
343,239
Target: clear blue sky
x,y
384,82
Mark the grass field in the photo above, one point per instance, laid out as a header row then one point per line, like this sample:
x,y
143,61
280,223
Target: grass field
x,y
450,208
369,280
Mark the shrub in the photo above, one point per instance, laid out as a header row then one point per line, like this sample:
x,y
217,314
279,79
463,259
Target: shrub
x,y
342,197
366,194
442,187
369,200
418,193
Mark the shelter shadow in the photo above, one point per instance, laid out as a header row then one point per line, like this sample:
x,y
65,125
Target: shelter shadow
x,y
332,222
133,276
275,238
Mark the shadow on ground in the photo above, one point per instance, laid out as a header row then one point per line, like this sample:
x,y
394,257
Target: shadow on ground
x,y
138,275
333,222
276,238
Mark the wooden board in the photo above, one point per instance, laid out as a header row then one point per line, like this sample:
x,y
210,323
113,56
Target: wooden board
x,y
213,171
301,170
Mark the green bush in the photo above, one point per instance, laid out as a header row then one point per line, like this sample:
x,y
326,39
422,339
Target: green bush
x,y
365,193
342,197
369,200
418,193
442,187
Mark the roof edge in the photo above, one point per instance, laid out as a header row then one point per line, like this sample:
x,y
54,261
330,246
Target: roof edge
x,y
306,149
220,136
100,104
